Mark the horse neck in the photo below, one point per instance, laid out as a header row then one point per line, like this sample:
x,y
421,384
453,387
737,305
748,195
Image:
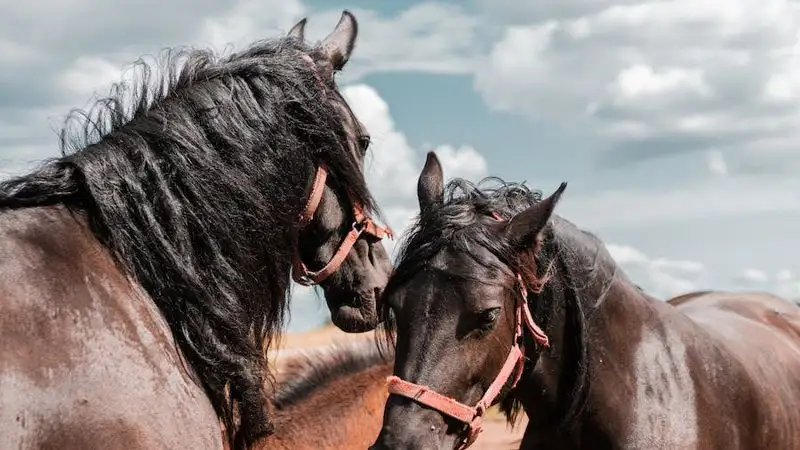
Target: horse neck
x,y
344,413
594,326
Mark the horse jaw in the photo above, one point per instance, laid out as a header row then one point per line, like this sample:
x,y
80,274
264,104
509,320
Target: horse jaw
x,y
352,313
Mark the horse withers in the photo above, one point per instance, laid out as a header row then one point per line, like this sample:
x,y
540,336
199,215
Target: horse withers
x,y
144,272
496,299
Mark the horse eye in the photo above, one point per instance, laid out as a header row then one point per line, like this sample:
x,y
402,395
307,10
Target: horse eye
x,y
363,142
487,318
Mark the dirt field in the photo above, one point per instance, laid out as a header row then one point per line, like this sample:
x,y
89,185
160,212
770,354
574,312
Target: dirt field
x,y
496,434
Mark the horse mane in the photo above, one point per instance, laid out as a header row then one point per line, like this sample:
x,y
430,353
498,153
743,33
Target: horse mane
x,y
460,224
314,369
192,176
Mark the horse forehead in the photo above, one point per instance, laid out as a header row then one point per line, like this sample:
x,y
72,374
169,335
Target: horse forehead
x,y
439,294
346,112
461,262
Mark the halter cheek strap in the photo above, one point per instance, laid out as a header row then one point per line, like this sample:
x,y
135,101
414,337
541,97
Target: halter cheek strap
x,y
362,224
472,416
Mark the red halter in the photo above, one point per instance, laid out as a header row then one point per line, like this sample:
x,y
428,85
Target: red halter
x,y
473,415
362,224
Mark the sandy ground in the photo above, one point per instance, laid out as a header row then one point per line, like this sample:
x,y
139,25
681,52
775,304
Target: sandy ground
x,y
496,435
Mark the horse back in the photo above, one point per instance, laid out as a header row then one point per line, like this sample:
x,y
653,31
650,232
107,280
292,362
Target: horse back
x,y
86,359
750,350
767,315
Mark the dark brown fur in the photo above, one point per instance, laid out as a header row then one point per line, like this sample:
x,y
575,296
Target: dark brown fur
x,y
66,308
332,398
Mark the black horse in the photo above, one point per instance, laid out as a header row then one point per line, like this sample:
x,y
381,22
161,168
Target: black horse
x,y
610,367
167,233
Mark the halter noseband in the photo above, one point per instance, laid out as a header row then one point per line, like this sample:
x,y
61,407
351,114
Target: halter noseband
x,y
472,416
362,224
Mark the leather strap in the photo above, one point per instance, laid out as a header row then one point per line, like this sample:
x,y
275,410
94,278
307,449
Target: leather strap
x,y
362,224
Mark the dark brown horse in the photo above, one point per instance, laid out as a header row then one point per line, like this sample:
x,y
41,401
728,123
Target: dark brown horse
x,y
331,398
614,368
144,272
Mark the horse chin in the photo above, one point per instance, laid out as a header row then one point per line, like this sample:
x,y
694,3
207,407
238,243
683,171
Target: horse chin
x,y
451,441
354,315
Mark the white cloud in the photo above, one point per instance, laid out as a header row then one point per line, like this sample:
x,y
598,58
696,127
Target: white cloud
x,y
515,65
393,166
789,290
464,162
754,276
20,55
251,20
682,74
90,75
721,197
625,254
784,275
787,286
428,37
640,83
783,283
716,163
661,277
677,265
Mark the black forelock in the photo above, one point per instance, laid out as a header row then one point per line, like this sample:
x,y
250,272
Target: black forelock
x,y
460,224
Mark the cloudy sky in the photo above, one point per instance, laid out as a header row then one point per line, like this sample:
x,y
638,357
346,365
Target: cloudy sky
x,y
674,122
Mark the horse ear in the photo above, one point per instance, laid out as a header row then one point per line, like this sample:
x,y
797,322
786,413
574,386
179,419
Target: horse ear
x,y
298,31
524,230
430,186
338,45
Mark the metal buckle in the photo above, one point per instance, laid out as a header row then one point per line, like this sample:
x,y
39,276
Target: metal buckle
x,y
306,279
359,226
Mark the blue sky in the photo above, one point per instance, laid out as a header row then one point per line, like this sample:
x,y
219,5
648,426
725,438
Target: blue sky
x,y
674,122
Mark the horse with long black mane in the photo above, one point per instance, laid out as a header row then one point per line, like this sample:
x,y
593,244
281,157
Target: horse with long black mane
x,y
166,233
494,297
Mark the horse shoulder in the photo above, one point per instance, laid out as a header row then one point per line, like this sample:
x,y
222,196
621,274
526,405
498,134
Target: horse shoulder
x,y
87,360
